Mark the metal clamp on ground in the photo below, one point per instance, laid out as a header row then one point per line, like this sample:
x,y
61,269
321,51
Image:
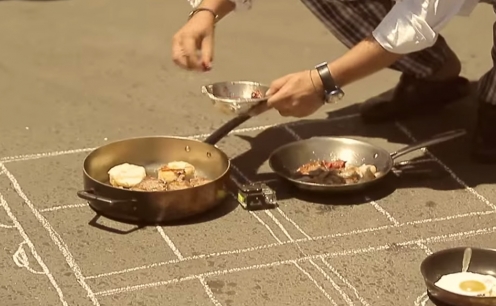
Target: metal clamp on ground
x,y
256,196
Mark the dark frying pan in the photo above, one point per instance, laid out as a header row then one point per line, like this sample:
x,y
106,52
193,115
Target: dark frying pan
x,y
151,152
286,159
449,261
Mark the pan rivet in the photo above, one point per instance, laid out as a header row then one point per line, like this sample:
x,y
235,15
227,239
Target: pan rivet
x,y
187,148
209,154
376,155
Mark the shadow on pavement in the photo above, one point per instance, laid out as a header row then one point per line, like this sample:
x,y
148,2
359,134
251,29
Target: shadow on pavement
x,y
454,154
227,206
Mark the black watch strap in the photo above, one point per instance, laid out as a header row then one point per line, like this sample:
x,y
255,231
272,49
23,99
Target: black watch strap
x,y
326,77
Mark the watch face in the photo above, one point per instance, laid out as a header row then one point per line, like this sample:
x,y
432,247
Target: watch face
x,y
334,96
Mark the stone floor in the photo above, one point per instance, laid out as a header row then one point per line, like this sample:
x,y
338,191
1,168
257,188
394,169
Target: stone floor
x,y
63,81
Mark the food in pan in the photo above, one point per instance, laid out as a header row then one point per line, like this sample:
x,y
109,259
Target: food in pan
x,y
126,175
175,170
335,172
256,94
469,284
150,183
175,175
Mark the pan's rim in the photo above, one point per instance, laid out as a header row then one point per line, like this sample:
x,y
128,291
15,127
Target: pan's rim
x,y
224,173
352,185
433,283
447,250
241,100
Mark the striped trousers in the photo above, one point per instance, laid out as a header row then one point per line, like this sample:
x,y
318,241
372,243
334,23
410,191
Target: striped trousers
x,y
350,21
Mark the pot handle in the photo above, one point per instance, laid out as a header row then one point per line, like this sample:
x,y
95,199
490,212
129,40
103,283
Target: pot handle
x,y
89,195
226,128
439,138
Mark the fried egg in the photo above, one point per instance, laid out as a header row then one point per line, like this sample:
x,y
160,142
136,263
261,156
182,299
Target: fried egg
x,y
468,283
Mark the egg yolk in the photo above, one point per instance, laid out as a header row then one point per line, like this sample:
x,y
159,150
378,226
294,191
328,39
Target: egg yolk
x,y
472,286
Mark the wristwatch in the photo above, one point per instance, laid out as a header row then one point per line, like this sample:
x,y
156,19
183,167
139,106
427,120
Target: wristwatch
x,y
332,92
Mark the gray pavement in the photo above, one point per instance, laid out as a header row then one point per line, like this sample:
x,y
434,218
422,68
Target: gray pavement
x,y
75,75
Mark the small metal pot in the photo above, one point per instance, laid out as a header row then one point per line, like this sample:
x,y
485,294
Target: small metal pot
x,y
235,98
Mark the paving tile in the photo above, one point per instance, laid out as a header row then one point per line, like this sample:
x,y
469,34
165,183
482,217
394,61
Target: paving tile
x,y
278,285
327,282
236,230
393,237
382,278
5,221
479,177
321,219
50,182
479,241
215,263
99,251
173,294
250,151
39,247
22,285
441,197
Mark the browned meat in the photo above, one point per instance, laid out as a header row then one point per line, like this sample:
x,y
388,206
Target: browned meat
x,y
310,167
183,183
150,184
334,173
318,166
256,94
197,181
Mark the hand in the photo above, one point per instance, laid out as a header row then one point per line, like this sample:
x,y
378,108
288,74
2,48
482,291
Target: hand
x,y
296,95
192,45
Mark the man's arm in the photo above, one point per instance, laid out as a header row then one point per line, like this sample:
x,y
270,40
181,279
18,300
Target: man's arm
x,y
410,26
366,58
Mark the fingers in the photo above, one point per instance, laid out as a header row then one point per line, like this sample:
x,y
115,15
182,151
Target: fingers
x,y
277,84
278,94
185,53
207,50
190,49
178,55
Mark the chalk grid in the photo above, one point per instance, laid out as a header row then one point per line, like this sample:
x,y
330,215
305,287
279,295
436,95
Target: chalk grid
x,y
331,275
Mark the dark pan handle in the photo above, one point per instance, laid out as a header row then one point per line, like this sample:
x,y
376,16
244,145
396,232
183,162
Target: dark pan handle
x,y
229,126
89,195
439,138
225,129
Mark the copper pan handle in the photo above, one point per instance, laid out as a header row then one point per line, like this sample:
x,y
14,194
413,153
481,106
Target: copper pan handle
x,y
89,195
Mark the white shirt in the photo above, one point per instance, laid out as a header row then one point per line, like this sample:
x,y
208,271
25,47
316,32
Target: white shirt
x,y
414,25
410,26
